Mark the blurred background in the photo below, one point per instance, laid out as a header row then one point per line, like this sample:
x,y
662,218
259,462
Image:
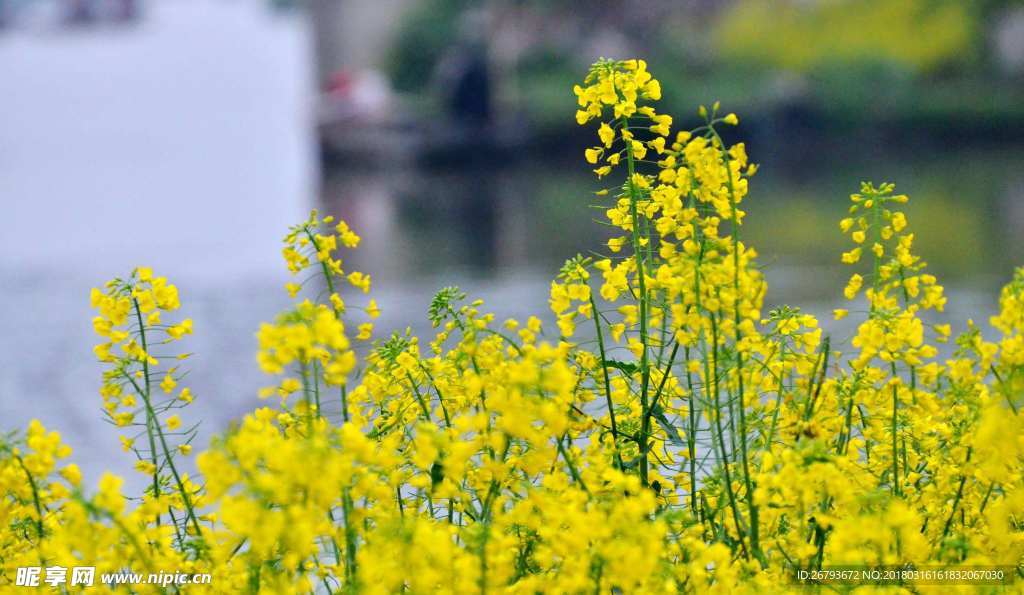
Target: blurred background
x,y
188,134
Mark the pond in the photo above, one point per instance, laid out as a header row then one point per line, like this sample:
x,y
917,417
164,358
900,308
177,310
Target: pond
x,y
513,226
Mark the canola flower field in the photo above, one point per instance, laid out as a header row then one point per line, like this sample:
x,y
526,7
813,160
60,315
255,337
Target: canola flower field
x,y
666,434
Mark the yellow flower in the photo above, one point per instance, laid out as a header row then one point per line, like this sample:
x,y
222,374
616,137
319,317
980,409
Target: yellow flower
x,y
372,310
289,386
365,331
109,496
852,256
507,456
359,280
853,286
72,474
145,467
180,330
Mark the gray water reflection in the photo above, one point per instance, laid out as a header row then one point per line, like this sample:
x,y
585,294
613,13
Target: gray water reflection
x,y
967,209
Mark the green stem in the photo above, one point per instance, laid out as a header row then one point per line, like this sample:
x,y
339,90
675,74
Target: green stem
x,y
440,397
638,253
35,498
150,421
419,398
717,414
748,484
661,385
895,448
607,383
956,500
170,462
691,436
573,472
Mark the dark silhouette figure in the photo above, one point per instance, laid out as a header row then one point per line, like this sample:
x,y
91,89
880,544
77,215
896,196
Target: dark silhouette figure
x,y
470,99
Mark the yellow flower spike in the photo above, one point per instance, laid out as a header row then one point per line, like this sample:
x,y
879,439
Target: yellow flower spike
x,y
173,422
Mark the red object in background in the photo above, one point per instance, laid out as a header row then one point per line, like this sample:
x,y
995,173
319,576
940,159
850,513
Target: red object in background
x,y
361,95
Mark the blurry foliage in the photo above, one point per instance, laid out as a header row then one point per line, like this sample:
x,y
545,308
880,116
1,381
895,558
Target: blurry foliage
x,y
919,66
918,35
539,76
422,39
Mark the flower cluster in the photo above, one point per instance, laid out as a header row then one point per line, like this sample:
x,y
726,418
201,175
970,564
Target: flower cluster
x,y
142,387
664,432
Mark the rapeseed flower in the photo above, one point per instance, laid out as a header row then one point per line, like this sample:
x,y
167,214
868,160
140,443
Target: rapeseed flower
x,y
662,435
